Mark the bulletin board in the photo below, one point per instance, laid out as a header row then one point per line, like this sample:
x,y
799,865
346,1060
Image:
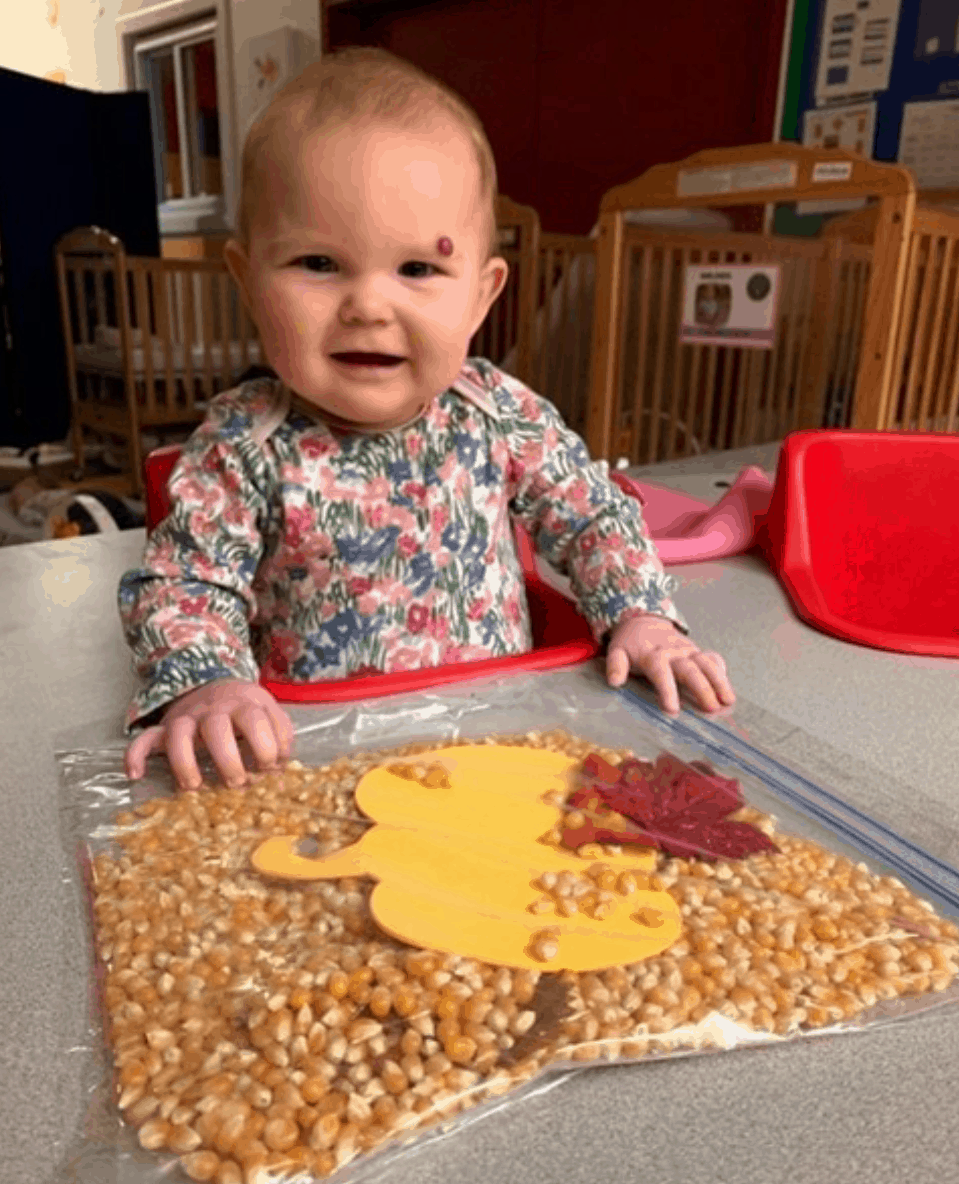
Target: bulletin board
x,y
881,77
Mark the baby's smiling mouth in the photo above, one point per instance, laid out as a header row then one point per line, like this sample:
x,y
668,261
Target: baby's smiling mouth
x,y
361,359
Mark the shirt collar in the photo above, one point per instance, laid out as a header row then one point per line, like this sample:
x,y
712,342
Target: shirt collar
x,y
465,384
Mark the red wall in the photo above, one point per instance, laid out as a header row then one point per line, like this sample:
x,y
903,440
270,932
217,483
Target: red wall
x,y
578,96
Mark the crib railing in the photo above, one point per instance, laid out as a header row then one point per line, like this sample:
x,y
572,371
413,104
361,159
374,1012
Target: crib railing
x,y
563,326
839,314
924,393
148,341
927,344
505,337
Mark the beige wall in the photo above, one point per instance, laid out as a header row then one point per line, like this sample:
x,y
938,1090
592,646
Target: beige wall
x,y
71,41
83,43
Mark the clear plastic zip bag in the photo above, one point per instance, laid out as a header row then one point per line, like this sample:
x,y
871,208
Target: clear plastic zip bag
x,y
245,1030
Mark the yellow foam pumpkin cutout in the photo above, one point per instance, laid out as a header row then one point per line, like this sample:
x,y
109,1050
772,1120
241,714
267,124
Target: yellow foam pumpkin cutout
x,y
457,865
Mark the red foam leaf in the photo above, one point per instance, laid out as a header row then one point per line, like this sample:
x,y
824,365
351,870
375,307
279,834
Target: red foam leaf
x,y
595,832
681,808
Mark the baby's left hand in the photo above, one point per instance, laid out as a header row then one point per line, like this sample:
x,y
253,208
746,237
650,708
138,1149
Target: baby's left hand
x,y
655,647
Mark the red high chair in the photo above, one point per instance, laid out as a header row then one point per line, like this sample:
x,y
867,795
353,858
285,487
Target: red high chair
x,y
561,636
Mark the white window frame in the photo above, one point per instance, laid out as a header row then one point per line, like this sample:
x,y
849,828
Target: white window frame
x,y
183,22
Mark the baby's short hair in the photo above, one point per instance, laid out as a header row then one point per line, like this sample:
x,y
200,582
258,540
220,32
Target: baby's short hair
x,y
374,87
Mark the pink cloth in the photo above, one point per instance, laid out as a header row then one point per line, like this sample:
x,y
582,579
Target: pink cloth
x,y
687,530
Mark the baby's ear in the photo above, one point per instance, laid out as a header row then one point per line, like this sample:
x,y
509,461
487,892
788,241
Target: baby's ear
x,y
238,265
492,282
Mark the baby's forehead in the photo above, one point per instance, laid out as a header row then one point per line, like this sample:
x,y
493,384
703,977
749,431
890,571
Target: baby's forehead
x,y
294,179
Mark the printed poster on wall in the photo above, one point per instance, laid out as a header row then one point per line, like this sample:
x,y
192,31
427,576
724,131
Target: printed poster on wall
x,y
730,304
849,126
856,48
929,142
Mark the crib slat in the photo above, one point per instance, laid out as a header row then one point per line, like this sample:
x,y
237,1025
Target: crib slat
x,y
931,350
860,291
141,317
637,399
920,334
844,356
952,409
902,363
950,338
100,297
730,361
225,362
744,393
79,296
749,421
677,410
805,399
166,327
696,396
206,300
778,385
659,364
188,312
818,341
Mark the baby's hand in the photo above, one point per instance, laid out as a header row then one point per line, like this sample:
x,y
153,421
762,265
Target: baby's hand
x,y
215,711
655,647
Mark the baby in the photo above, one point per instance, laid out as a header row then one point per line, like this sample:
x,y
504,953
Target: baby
x,y
354,514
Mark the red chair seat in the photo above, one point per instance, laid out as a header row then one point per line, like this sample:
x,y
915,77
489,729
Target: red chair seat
x,y
863,532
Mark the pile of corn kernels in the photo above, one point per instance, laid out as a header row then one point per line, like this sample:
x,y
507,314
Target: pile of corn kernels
x,y
265,1032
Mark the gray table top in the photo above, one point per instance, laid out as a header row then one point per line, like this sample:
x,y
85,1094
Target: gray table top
x,y
876,1108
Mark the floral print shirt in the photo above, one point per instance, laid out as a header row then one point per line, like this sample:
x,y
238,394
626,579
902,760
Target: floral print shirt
x,y
298,552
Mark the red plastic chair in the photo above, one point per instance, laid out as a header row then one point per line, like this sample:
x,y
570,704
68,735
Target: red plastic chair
x,y
561,636
863,532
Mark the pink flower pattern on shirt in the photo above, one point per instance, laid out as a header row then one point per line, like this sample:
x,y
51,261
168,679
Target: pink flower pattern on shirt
x,y
318,554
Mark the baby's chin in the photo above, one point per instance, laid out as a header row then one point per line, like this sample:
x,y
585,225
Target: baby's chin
x,y
369,418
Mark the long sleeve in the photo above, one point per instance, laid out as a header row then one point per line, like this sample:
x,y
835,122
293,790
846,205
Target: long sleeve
x,y
186,611
580,521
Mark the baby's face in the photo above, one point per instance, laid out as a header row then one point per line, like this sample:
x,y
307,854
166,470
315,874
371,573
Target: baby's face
x,y
372,245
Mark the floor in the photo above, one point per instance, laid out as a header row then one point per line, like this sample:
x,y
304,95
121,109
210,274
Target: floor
x,y
29,528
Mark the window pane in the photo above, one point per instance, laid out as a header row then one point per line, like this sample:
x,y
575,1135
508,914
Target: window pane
x,y
199,80
162,87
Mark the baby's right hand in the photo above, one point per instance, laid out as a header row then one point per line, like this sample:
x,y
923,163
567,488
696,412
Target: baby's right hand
x,y
216,710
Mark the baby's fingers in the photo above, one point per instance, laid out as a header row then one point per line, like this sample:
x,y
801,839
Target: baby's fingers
x,y
135,759
715,669
258,726
694,680
180,738
659,670
284,730
217,732
617,667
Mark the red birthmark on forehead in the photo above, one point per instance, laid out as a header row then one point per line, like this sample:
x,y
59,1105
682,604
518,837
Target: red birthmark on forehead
x,y
444,246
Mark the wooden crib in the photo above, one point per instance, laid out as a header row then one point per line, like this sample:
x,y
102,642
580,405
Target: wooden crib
x,y
148,341
842,326
540,327
924,395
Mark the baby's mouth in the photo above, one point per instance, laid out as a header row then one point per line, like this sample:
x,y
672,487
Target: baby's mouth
x,y
358,359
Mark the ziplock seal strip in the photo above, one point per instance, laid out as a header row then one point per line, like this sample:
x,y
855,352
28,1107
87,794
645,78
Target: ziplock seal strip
x,y
938,879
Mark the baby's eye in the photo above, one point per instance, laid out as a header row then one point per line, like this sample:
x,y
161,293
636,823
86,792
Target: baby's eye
x,y
314,262
430,270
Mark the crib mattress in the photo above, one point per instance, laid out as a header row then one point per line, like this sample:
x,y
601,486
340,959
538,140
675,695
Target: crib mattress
x,y
104,358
